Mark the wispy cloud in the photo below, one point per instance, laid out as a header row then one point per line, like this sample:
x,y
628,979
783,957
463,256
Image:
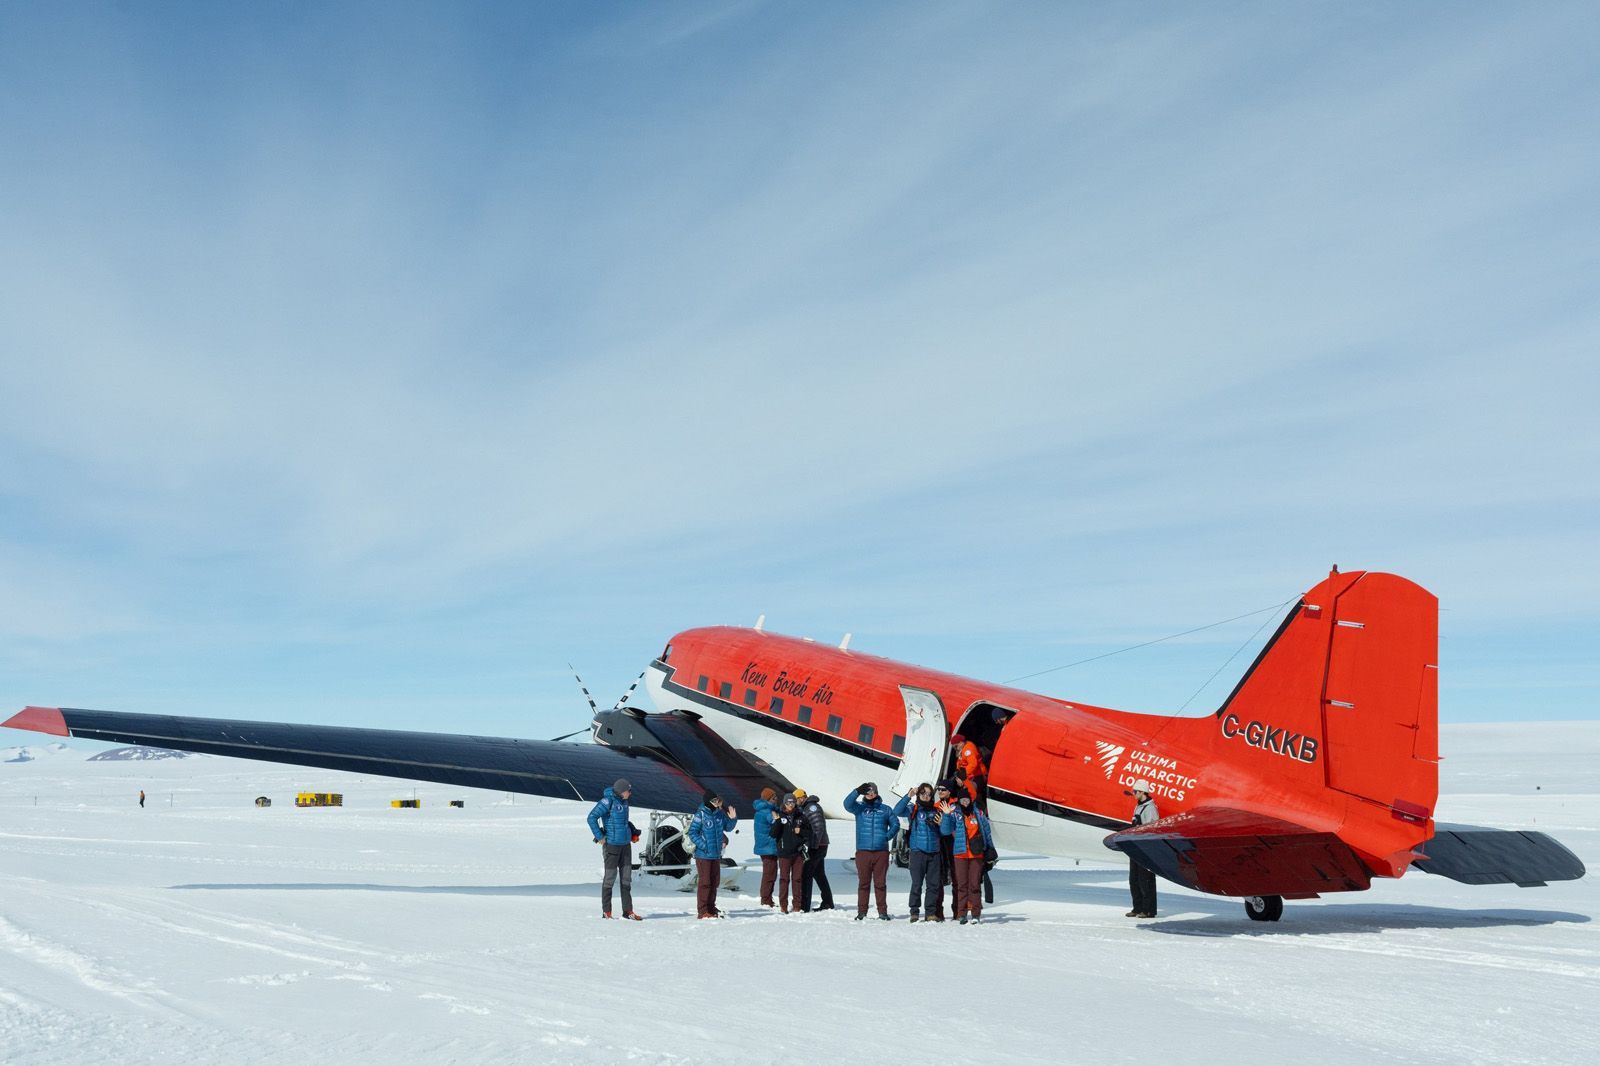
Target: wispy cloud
x,y
984,329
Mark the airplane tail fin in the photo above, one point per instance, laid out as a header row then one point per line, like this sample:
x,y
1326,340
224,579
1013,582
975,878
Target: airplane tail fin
x,y
1345,697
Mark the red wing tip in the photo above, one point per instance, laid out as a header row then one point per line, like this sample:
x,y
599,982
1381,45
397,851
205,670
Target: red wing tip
x,y
39,720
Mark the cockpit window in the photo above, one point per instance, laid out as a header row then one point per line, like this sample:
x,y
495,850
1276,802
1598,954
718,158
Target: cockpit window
x,y
667,654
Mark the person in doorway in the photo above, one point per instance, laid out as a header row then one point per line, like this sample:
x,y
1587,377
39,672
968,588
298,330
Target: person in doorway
x,y
766,847
790,832
814,874
707,831
609,825
141,799
1142,882
876,826
969,831
970,764
923,815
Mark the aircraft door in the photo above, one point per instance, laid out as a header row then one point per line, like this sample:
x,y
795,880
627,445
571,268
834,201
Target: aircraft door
x,y
926,739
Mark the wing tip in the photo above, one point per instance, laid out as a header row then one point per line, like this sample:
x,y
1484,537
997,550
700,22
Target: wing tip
x,y
39,720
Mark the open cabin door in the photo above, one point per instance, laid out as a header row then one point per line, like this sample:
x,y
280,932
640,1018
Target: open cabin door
x,y
926,738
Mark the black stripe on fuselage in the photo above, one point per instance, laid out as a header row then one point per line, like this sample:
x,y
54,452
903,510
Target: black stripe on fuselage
x,y
839,744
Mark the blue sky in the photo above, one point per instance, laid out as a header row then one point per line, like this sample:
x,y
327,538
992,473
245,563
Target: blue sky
x,y
365,364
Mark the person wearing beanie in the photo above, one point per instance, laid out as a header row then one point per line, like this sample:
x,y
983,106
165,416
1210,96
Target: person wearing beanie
x,y
876,826
1142,882
766,847
814,874
968,827
927,890
609,825
706,833
790,833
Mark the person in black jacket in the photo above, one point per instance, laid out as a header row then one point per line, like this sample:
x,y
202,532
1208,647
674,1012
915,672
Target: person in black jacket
x,y
815,871
792,831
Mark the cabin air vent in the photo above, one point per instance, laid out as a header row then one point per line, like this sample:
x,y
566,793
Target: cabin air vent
x,y
844,644
761,620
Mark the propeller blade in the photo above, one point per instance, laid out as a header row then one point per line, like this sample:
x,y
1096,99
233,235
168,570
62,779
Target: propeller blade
x,y
592,705
624,700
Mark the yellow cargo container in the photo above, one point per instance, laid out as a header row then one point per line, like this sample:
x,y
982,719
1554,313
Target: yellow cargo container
x,y
319,799
405,803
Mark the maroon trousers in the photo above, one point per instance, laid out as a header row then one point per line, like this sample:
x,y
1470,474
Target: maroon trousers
x,y
872,872
709,873
769,875
969,886
789,867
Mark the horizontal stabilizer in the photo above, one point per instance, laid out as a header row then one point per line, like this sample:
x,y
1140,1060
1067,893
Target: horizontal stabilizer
x,y
1230,852
1475,855
502,764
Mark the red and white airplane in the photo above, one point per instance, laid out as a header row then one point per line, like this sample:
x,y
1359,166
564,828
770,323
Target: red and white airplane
x,y
1318,773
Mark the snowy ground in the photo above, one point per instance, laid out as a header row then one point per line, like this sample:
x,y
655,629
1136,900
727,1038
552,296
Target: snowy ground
x,y
206,930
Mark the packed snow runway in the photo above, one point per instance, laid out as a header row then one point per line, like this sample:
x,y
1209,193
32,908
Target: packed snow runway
x,y
204,929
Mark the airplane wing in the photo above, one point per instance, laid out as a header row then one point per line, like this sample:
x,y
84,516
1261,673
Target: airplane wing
x,y
1475,855
533,767
1230,852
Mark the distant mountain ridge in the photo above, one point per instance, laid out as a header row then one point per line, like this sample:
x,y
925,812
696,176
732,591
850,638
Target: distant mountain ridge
x,y
30,752
137,753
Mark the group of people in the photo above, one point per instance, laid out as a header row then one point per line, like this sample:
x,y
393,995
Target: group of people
x,y
949,839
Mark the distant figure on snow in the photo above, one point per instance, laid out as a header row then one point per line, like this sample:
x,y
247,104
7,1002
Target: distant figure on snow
x,y
141,798
876,825
706,831
1142,882
608,823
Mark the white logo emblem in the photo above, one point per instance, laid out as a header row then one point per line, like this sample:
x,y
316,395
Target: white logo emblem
x,y
1109,754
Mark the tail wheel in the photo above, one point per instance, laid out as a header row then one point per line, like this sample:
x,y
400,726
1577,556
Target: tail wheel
x,y
1264,908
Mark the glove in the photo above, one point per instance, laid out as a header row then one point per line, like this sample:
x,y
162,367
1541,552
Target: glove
x,y
636,838
597,840
861,788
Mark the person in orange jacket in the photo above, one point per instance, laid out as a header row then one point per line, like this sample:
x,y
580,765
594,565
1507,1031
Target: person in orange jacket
x,y
970,764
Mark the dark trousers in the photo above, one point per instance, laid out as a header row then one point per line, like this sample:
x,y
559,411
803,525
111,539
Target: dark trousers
x,y
619,860
709,872
926,888
1142,885
872,873
969,886
815,872
769,876
789,867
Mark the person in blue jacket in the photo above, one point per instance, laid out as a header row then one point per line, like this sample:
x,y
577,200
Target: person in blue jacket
x,y
766,847
927,887
706,831
969,829
876,826
608,823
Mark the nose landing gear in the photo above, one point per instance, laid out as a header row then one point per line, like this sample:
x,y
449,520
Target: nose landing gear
x,y
1264,908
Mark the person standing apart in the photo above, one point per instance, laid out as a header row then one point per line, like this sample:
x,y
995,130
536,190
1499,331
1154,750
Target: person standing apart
x,y
927,890
1142,882
706,831
876,825
609,825
968,827
141,799
766,847
790,832
815,871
